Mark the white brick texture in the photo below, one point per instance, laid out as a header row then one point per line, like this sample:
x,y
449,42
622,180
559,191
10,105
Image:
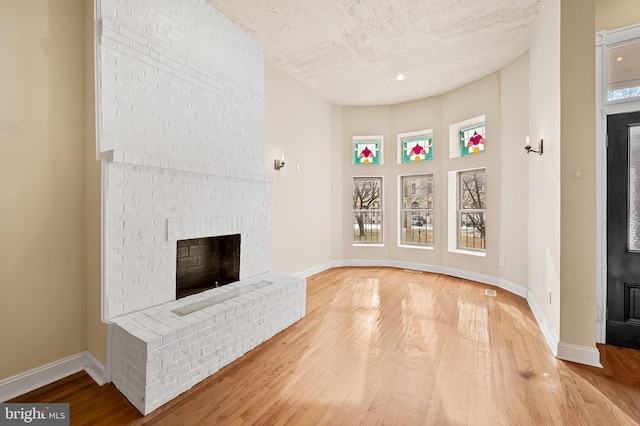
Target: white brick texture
x,y
182,84
180,133
149,209
181,110
157,355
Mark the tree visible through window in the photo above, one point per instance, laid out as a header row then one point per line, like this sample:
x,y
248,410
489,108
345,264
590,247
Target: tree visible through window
x,y
367,210
416,218
472,190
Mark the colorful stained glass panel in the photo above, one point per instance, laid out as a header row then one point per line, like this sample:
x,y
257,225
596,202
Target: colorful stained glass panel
x,y
472,140
417,149
366,152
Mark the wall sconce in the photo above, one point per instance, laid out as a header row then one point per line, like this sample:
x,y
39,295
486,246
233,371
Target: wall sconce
x,y
530,149
278,164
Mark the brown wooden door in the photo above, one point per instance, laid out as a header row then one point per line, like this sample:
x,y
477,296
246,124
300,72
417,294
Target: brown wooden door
x,y
623,230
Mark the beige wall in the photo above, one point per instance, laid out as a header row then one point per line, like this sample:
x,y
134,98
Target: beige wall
x,y
42,272
409,117
337,181
483,96
477,98
613,14
544,170
366,121
578,195
562,239
514,200
298,126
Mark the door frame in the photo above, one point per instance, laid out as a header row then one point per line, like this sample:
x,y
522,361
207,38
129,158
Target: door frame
x,y
603,109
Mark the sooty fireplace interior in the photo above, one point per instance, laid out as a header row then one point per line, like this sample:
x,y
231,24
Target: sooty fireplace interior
x,y
204,263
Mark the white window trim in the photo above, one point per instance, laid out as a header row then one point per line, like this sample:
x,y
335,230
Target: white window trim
x,y
454,133
452,214
382,198
399,212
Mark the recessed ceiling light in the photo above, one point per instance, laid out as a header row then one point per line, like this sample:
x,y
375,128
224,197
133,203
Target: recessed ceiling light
x,y
400,77
619,59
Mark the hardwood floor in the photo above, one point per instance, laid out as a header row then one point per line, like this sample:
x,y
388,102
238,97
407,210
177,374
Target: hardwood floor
x,y
394,347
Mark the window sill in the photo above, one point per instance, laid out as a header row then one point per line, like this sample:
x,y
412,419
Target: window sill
x,y
409,246
367,245
469,252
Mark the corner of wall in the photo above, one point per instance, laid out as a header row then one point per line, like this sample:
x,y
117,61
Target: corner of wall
x,y
96,330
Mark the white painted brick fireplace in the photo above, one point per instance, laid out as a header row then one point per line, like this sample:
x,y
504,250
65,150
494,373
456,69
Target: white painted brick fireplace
x,y
180,134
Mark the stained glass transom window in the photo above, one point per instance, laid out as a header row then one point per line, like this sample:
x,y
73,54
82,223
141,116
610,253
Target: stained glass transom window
x,y
367,151
472,139
417,149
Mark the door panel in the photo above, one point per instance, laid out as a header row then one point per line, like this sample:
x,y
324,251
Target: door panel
x,y
623,230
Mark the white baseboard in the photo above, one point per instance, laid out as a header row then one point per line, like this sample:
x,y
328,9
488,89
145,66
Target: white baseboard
x,y
547,331
513,288
580,354
471,276
38,377
95,369
317,269
458,273
424,267
564,351
366,262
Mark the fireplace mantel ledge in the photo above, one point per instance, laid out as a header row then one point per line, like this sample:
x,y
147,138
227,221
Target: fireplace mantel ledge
x,y
136,159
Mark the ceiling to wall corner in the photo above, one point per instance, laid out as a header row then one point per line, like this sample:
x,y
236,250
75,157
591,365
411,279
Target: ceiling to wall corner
x,y
350,52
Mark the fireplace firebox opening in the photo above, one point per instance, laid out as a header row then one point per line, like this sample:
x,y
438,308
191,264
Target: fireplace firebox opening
x,y
205,263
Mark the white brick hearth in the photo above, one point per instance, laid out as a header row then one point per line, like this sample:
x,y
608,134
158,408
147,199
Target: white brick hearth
x,y
180,94
158,354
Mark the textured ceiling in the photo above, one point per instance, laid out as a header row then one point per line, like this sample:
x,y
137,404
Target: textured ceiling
x,y
349,52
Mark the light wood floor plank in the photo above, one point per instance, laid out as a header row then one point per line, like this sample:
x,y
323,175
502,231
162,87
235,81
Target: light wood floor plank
x,y
387,346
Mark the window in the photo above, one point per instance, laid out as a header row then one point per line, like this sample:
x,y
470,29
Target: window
x,y
472,140
415,146
471,212
367,150
416,210
467,137
623,71
367,210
